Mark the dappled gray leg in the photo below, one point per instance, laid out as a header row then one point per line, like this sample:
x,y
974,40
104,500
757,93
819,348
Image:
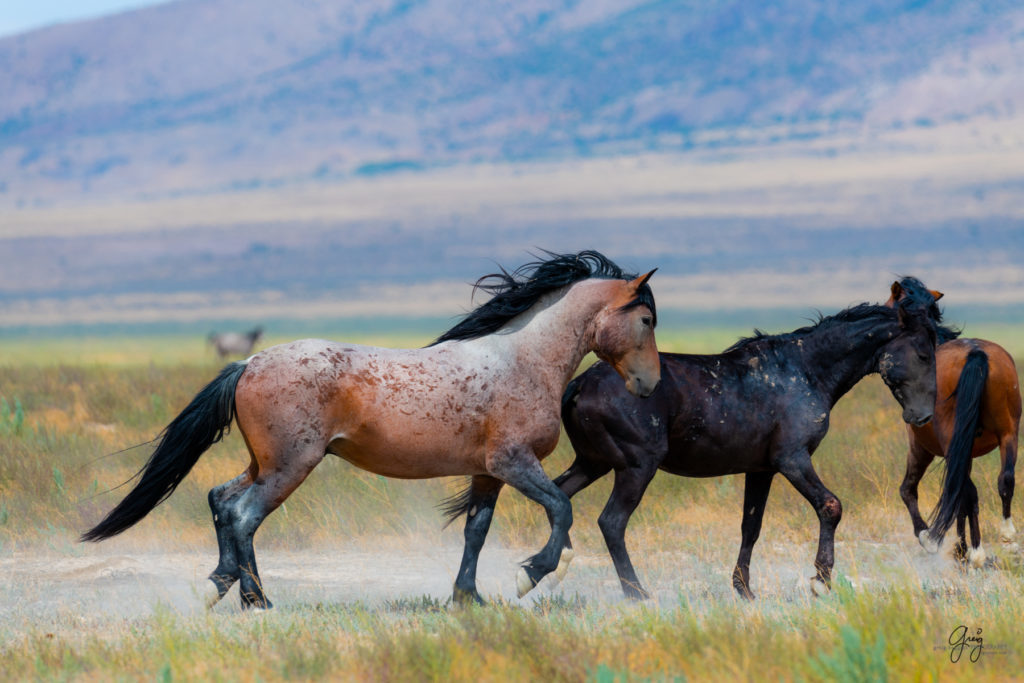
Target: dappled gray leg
x,y
221,499
571,482
482,499
521,470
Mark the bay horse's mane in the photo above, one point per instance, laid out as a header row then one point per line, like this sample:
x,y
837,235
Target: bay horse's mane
x,y
920,295
514,293
864,311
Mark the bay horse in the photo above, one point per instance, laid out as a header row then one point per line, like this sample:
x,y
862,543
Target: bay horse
x,y
760,408
481,400
977,409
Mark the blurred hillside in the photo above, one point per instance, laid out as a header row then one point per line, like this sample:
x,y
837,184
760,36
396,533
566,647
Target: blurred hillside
x,y
197,95
215,159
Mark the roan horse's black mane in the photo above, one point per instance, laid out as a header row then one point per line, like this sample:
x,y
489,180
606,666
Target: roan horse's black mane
x,y
856,313
919,295
514,293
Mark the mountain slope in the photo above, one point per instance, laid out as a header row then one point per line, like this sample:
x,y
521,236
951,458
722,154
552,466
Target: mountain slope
x,y
201,95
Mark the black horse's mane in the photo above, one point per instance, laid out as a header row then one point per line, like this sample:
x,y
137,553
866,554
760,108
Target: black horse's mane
x,y
920,295
514,293
856,313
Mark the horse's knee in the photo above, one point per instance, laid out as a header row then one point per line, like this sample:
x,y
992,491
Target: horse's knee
x,y
831,510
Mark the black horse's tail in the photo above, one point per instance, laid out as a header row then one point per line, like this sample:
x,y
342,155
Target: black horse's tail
x,y
969,391
203,423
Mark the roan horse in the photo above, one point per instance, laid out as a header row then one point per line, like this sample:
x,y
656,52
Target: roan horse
x,y
761,407
482,400
977,408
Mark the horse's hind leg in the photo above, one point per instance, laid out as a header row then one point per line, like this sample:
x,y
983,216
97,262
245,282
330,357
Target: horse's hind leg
x,y
755,496
918,460
969,510
221,499
629,487
1008,451
479,507
249,511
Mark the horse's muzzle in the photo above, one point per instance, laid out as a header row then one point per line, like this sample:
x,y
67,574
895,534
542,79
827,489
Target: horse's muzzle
x,y
639,387
919,421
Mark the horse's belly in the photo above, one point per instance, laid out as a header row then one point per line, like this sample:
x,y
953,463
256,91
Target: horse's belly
x,y
713,460
409,459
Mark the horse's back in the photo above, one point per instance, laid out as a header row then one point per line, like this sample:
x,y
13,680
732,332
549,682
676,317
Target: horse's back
x,y
406,413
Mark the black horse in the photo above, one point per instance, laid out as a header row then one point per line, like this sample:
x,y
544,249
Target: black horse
x,y
760,407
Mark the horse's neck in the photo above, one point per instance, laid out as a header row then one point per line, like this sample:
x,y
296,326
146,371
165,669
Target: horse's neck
x,y
845,353
549,341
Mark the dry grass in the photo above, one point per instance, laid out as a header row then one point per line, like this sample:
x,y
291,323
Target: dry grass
x,y
56,463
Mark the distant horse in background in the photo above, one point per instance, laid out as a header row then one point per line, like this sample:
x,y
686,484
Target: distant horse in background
x,y
761,408
483,400
977,409
234,343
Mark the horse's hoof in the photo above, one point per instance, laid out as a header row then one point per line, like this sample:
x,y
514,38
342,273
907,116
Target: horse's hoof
x,y
563,563
635,593
1006,530
819,588
1012,548
976,557
209,593
463,598
927,542
524,584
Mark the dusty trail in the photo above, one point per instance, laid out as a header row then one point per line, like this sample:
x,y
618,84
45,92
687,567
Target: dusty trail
x,y
53,591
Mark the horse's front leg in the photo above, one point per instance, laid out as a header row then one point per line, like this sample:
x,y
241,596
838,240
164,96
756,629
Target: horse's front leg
x,y
629,488
918,460
478,505
579,476
520,469
798,470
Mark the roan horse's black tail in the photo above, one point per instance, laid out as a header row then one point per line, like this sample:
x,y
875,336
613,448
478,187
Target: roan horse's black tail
x,y
203,423
969,391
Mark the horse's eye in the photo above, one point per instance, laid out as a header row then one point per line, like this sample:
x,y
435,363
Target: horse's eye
x,y
923,357
646,320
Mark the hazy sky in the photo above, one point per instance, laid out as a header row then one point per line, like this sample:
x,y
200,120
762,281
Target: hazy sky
x,y
17,16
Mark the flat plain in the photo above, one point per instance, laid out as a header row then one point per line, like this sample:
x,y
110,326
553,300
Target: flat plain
x,y
361,570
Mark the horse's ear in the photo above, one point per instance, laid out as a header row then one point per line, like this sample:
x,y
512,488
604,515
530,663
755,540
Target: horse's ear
x,y
896,290
642,280
936,294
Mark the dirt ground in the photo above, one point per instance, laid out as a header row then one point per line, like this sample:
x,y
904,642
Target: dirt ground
x,y
51,590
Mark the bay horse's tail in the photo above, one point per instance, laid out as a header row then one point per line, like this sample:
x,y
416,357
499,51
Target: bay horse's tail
x,y
970,389
203,423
